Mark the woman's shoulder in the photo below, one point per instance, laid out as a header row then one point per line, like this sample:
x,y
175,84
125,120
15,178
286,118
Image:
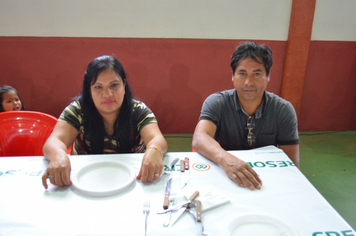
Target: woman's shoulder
x,y
73,109
138,105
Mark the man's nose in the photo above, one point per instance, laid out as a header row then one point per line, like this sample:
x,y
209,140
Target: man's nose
x,y
249,80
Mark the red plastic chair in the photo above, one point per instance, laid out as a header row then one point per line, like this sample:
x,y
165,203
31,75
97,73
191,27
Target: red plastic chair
x,y
23,133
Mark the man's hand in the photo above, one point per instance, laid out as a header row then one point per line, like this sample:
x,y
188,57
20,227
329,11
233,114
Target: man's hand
x,y
241,173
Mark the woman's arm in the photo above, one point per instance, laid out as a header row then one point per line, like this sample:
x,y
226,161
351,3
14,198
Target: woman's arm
x,y
156,147
55,150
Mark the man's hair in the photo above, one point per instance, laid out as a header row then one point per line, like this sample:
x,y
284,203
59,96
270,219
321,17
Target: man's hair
x,y
254,51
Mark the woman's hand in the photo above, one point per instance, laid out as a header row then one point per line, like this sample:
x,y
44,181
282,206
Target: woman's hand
x,y
152,165
55,151
58,171
152,162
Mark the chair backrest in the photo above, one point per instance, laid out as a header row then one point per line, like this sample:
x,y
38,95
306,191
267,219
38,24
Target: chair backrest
x,y
23,133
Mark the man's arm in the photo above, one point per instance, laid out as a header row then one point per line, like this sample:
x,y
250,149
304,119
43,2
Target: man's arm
x,y
236,169
292,152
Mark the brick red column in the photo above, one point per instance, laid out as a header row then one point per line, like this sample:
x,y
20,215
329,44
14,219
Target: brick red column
x,y
297,53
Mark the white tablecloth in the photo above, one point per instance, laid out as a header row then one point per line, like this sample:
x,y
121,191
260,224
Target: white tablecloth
x,y
26,208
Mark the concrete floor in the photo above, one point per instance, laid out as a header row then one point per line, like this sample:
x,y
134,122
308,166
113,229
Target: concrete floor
x,y
327,159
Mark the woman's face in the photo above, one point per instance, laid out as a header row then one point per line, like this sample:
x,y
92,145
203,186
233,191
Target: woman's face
x,y
11,101
108,93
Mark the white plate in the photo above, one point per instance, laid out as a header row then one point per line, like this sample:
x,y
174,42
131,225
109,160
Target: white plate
x,y
257,225
101,179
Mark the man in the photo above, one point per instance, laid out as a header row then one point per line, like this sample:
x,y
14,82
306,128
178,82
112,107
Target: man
x,y
246,117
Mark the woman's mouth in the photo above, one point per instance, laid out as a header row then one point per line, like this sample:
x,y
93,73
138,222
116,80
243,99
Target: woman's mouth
x,y
109,102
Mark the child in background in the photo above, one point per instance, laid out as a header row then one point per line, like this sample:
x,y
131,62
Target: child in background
x,y
10,99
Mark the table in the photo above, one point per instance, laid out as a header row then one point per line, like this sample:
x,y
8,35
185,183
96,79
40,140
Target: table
x,y
26,208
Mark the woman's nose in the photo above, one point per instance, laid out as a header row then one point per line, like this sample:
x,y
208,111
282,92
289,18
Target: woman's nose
x,y
108,92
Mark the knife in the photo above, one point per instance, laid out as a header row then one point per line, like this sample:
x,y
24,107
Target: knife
x,y
185,173
174,208
200,228
166,195
182,210
166,203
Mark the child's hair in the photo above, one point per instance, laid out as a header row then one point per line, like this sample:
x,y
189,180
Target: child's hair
x,y
6,89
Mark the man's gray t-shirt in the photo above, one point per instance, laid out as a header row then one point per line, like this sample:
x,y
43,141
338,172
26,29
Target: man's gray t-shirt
x,y
275,121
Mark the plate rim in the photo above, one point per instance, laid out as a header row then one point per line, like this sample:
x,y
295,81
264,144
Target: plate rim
x,y
107,192
275,220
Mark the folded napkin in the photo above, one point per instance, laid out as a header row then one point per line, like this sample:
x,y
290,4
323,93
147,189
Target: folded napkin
x,y
209,196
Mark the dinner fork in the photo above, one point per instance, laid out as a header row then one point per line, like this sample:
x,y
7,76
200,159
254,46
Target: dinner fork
x,y
146,210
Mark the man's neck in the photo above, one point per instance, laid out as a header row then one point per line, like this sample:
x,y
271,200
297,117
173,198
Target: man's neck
x,y
250,107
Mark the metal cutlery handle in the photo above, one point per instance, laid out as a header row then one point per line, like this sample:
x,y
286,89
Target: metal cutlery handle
x,y
176,207
194,196
145,233
166,200
186,163
182,167
199,208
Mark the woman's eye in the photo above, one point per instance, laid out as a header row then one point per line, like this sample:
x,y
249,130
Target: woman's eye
x,y
97,87
115,85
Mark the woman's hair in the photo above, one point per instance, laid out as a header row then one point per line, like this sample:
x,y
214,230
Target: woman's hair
x,y
6,89
94,130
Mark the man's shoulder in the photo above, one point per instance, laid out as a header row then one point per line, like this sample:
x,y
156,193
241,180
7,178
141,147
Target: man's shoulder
x,y
279,106
275,99
226,94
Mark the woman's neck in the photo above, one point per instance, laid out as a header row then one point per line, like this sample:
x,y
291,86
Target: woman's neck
x,y
109,121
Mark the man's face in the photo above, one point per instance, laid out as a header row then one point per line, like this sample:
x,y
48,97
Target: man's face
x,y
250,81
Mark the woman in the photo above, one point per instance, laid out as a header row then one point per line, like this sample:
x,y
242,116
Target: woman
x,y
104,119
10,99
